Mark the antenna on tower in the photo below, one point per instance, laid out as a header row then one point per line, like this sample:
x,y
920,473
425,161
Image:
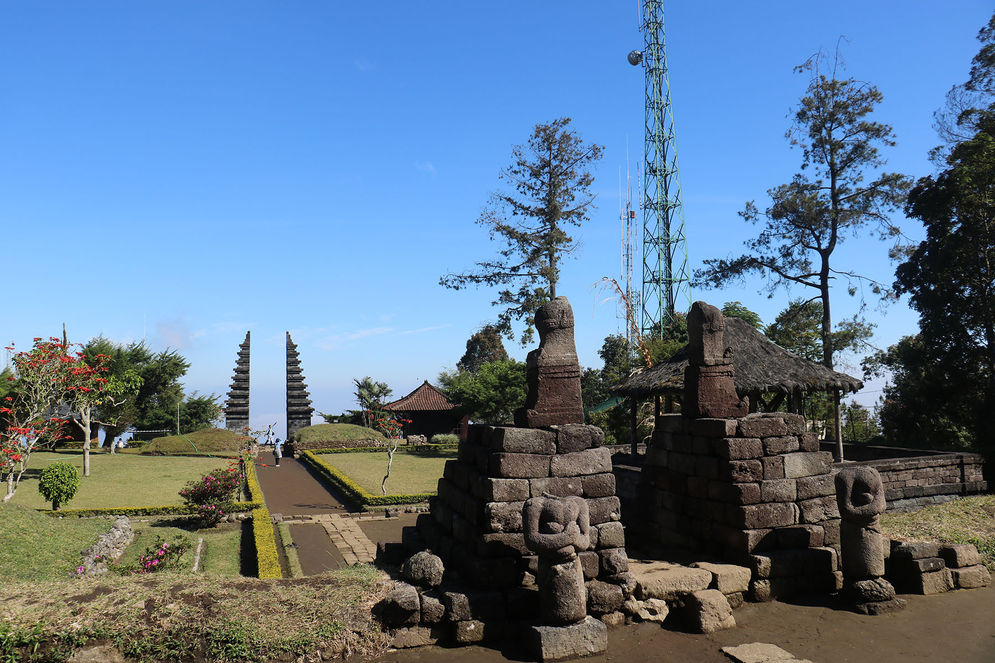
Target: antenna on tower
x,y
666,285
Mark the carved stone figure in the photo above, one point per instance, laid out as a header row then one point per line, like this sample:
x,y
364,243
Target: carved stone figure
x,y
553,372
861,501
709,389
556,529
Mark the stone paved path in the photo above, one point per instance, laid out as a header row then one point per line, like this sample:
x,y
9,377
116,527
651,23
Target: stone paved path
x,y
295,496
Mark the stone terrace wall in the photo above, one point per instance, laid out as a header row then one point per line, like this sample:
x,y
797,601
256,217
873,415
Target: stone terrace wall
x,y
475,524
754,490
910,483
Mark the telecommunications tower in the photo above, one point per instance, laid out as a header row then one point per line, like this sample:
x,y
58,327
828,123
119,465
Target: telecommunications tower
x,y
666,286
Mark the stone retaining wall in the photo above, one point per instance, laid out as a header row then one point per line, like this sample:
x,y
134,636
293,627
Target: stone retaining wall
x,y
913,482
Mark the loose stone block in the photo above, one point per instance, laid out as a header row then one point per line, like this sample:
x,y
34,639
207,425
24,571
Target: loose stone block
x,y
763,516
780,445
735,600
760,591
743,471
739,448
661,580
590,564
709,611
611,535
523,440
432,610
727,578
808,442
558,486
414,636
778,490
935,582
759,652
709,427
599,485
761,565
424,569
519,466
817,486
591,461
604,509
805,464
773,467
502,490
650,610
401,606
613,619
960,554
914,550
613,561
801,536
910,567
553,643
971,577
469,632
754,426
577,437
503,516
603,597
819,509
502,545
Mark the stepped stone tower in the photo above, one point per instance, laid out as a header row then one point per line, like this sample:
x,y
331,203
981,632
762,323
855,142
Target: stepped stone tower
x,y
237,406
299,408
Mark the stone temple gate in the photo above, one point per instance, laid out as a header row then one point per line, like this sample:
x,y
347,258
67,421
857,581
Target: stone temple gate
x,y
299,410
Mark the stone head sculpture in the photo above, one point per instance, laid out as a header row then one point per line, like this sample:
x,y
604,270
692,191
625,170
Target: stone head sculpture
x,y
557,527
860,494
706,336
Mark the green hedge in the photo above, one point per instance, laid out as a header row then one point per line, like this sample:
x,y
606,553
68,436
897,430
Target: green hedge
x,y
252,482
353,491
267,558
423,449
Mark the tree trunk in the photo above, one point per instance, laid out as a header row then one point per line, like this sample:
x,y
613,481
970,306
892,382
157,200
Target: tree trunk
x,y
86,442
10,486
827,353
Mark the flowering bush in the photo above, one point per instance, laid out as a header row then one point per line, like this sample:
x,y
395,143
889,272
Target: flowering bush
x,y
162,555
214,492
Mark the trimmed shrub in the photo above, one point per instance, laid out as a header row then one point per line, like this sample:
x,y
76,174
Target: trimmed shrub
x,y
354,491
208,440
330,436
267,558
445,438
58,483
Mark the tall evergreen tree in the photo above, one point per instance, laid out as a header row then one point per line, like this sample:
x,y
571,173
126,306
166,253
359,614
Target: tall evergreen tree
x,y
550,185
484,346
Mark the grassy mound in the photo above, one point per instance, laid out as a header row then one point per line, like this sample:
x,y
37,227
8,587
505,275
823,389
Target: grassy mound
x,y
208,440
338,435
38,547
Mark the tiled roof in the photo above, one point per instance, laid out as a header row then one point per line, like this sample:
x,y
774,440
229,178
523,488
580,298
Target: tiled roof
x,y
425,398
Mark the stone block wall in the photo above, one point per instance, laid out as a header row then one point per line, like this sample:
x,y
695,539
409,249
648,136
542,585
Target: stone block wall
x,y
475,523
754,490
910,483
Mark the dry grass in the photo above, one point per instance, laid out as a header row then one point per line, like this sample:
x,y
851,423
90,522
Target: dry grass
x,y
410,474
965,520
168,617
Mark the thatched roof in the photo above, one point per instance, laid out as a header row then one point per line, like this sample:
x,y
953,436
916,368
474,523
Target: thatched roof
x,y
760,365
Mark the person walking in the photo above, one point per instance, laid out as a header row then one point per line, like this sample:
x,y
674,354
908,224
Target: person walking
x,y
277,452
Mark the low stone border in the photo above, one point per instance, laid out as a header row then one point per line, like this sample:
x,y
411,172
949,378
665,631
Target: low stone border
x,y
109,547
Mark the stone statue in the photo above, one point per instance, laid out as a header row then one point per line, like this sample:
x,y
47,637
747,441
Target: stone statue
x,y
553,372
709,389
861,501
556,529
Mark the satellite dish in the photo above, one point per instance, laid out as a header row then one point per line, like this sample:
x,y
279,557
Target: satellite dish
x,y
635,58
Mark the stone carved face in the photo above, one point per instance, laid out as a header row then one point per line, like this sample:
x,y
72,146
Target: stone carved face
x,y
555,314
557,527
860,493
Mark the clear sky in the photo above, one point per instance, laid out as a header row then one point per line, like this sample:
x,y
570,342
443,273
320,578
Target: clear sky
x,y
186,171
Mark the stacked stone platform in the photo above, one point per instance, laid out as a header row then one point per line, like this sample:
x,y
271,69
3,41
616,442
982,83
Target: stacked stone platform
x,y
475,524
755,490
930,568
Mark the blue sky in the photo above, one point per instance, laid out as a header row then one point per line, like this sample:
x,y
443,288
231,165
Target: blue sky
x,y
186,171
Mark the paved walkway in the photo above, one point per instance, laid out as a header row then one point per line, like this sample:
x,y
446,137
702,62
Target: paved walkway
x,y
326,534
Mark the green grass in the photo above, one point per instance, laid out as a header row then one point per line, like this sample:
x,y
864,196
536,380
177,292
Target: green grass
x,y
290,550
34,546
118,480
409,474
339,434
965,520
208,440
219,557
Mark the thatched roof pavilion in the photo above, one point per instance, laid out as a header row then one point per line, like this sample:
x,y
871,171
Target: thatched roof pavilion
x,y
762,369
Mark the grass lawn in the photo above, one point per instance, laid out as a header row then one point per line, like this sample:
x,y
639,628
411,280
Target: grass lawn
x,y
34,546
219,556
118,479
964,520
409,474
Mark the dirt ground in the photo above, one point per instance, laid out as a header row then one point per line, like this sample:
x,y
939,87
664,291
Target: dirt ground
x,y
957,627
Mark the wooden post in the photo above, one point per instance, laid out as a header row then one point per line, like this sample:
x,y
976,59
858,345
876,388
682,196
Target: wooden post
x,y
633,420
